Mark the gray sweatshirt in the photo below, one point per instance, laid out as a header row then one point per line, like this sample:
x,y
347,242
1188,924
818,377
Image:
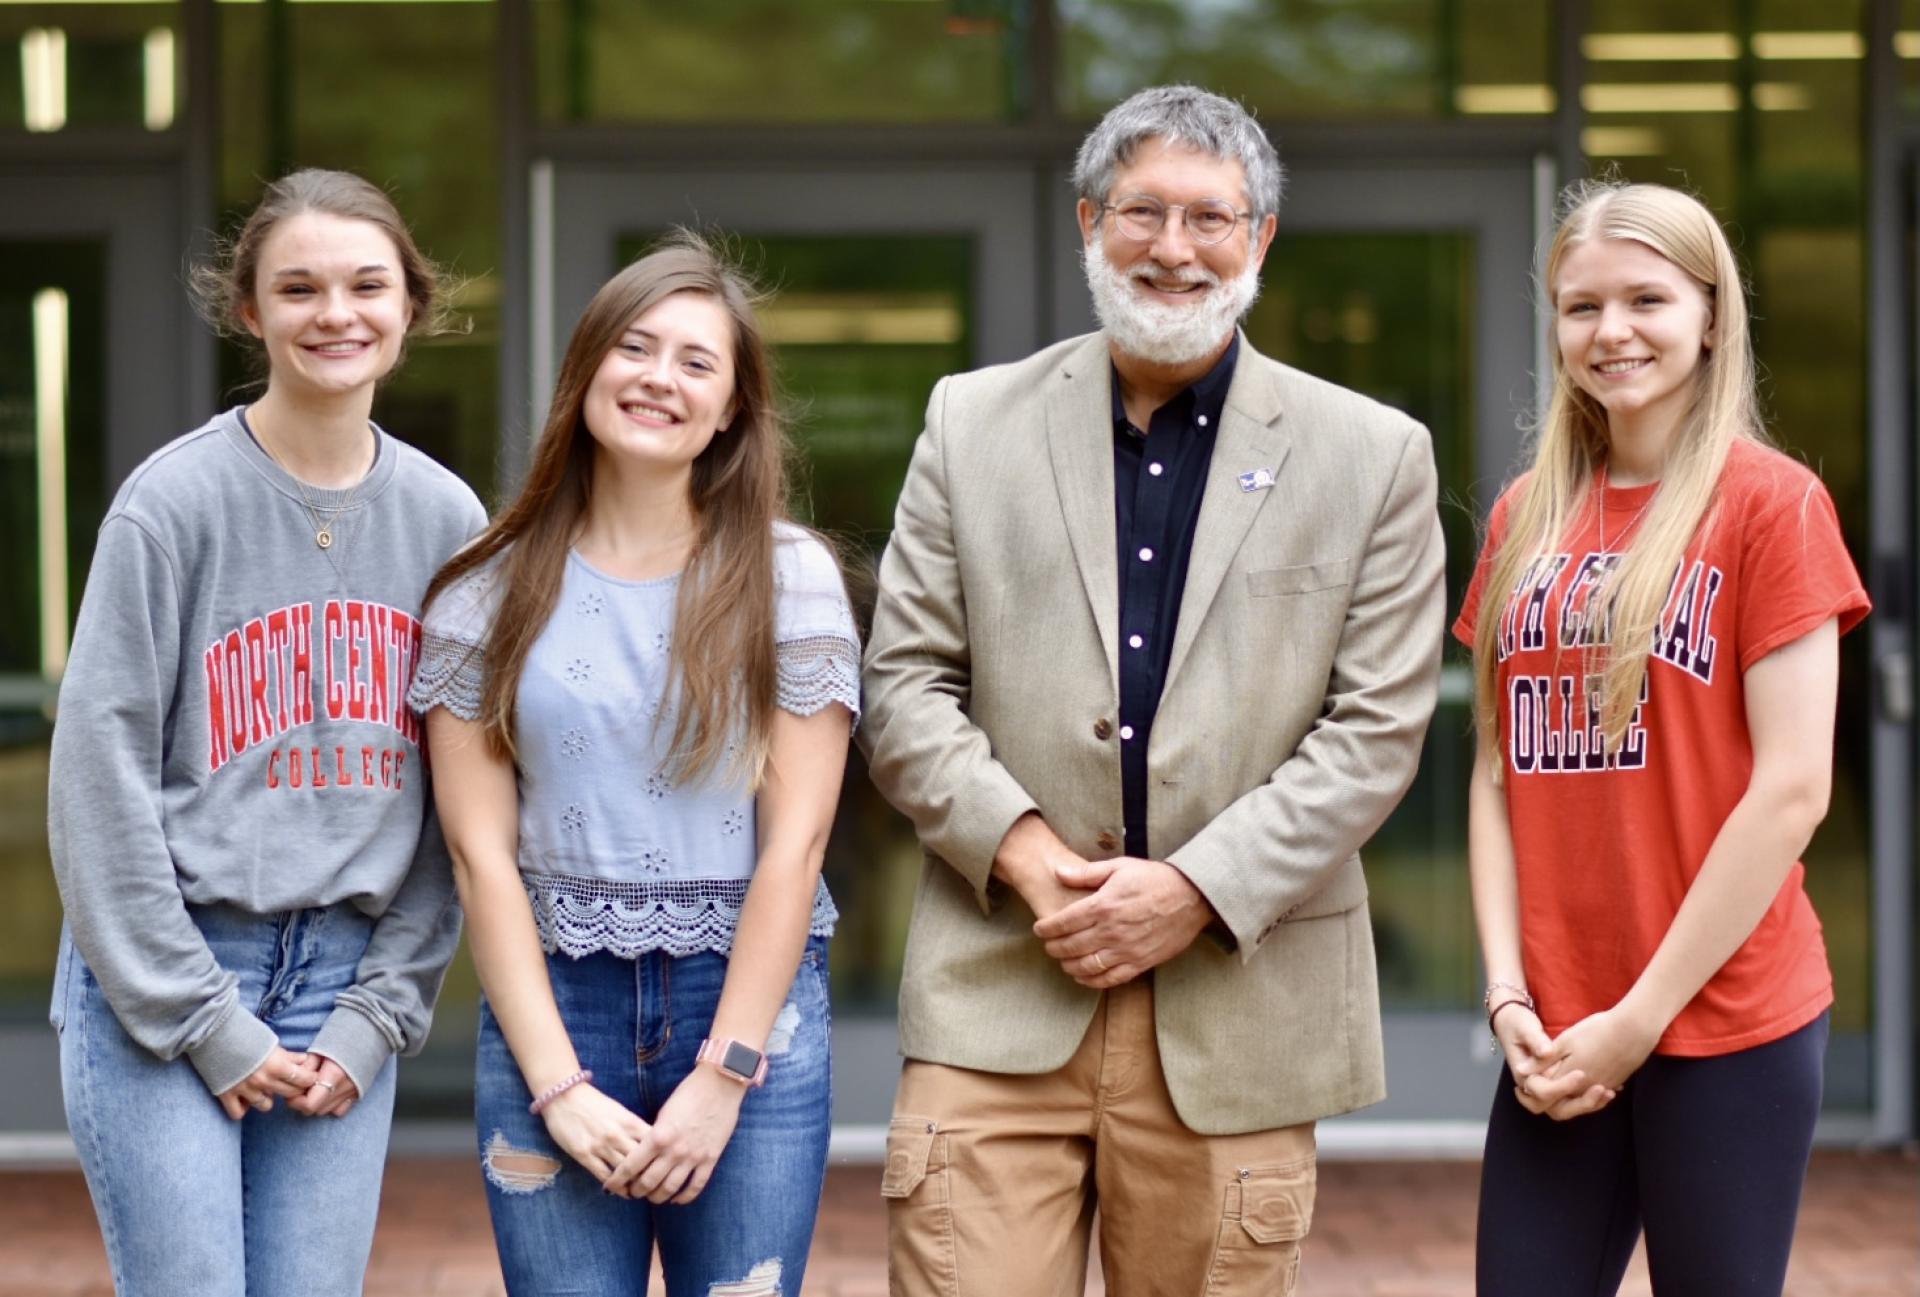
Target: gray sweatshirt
x,y
233,729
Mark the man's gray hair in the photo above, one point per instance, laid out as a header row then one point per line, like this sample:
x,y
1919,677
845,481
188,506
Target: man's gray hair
x,y
1192,118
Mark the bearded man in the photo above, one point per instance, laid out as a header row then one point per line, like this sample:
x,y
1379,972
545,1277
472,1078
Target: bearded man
x,y
1157,642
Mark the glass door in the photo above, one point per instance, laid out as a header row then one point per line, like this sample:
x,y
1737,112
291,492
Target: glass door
x,y
1411,283
885,282
93,345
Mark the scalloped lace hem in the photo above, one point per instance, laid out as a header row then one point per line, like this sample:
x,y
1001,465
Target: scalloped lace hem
x,y
449,674
814,672
584,916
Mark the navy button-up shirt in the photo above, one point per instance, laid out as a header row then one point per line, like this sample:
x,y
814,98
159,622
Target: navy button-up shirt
x,y
1159,477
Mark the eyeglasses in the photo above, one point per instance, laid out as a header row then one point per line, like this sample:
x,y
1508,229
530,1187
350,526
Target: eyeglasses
x,y
1208,221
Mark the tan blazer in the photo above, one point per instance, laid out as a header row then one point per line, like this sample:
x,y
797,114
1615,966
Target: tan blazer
x,y
1303,675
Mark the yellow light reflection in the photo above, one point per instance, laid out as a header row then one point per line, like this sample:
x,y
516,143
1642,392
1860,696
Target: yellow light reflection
x,y
1722,47
1810,45
1661,47
158,60
1621,142
43,77
50,473
1675,97
1503,99
1692,97
884,319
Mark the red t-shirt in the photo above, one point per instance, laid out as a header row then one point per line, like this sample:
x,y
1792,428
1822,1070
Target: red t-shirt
x,y
1606,848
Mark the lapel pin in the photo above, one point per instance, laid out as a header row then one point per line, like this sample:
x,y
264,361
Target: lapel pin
x,y
1258,480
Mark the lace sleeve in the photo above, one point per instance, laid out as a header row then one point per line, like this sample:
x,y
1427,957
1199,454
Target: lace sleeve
x,y
449,674
815,671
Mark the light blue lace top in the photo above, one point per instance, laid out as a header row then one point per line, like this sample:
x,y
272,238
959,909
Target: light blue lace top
x,y
616,856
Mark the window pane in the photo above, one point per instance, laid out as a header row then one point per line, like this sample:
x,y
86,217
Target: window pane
x,y
68,65
1389,315
1763,121
53,491
781,60
1317,58
381,89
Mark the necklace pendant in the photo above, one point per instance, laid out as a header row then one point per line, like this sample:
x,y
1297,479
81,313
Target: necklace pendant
x,y
324,538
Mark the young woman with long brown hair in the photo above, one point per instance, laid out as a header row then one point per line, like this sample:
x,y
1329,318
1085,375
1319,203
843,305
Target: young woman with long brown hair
x,y
639,684
1655,624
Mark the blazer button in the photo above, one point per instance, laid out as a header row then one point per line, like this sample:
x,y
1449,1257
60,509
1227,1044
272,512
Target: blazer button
x,y
1103,729
1106,841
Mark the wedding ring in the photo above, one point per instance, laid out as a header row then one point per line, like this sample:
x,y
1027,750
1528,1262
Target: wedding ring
x,y
328,1086
1098,962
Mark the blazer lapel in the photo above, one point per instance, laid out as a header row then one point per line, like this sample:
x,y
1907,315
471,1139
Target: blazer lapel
x,y
1080,442
1251,438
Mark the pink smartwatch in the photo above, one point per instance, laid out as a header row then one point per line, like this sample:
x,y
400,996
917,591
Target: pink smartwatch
x,y
736,1061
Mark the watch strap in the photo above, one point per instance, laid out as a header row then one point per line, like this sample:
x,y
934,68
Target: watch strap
x,y
738,1062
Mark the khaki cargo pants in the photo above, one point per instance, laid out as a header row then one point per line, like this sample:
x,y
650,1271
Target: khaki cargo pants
x,y
992,1180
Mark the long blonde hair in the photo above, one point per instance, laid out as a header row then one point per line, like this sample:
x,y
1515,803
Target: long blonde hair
x,y
722,656
1571,448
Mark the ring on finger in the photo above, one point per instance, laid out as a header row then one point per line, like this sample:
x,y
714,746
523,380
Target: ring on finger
x,y
1099,964
328,1086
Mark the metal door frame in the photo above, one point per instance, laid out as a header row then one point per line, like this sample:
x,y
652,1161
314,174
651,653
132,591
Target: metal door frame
x,y
156,351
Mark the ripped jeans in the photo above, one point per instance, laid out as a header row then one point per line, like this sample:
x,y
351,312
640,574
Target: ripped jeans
x,y
636,1024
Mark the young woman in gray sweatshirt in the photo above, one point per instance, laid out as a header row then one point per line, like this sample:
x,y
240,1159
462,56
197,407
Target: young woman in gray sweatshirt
x,y
259,908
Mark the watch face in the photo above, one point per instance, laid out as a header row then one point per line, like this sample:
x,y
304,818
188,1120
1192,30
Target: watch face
x,y
740,1060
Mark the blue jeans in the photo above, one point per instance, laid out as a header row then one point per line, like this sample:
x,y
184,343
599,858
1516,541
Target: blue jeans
x,y
637,1025
190,1203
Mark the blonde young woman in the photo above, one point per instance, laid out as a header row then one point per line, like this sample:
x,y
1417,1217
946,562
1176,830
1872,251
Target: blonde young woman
x,y
1655,623
639,686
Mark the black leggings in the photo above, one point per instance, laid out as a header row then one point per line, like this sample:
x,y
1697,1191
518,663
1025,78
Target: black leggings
x,y
1708,1153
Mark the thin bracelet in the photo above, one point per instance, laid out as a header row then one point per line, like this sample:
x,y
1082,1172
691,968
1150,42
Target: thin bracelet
x,y
558,1088
1494,1017
1486,1000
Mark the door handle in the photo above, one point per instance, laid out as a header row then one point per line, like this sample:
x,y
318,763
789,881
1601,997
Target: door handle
x,y
1893,678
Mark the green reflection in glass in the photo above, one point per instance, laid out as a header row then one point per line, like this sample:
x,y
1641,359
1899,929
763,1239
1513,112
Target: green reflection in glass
x,y
862,328
89,65
29,905
780,60
1390,315
380,89
1312,58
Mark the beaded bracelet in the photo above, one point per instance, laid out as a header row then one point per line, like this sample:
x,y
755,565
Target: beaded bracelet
x,y
558,1088
1486,1001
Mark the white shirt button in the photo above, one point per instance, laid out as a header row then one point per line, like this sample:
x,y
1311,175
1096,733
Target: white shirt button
x,y
1134,641
1126,731
1156,469
1146,554
1203,421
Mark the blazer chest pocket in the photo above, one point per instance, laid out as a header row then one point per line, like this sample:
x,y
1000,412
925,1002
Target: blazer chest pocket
x,y
1303,578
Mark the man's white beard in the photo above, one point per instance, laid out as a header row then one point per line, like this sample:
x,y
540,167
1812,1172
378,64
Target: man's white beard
x,y
1166,333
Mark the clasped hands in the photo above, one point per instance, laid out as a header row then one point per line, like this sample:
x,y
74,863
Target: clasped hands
x,y
1108,921
1579,1071
669,1161
312,1084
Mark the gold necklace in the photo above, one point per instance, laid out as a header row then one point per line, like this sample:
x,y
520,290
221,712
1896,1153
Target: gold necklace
x,y
1603,511
322,531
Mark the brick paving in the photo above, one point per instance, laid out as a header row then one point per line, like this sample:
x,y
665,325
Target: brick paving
x,y
1382,1229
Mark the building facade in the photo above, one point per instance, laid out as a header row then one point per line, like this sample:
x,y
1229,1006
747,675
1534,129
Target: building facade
x,y
897,169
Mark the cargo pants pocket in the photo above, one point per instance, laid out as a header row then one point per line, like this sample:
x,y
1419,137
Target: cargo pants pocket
x,y
1266,1214
921,1259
